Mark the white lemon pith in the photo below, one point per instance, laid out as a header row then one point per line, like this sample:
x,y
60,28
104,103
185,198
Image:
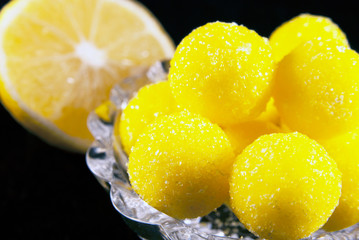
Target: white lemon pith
x,y
59,60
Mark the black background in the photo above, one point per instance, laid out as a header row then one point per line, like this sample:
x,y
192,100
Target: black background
x,y
48,193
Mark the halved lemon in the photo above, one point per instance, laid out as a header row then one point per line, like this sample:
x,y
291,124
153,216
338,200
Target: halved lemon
x,y
60,58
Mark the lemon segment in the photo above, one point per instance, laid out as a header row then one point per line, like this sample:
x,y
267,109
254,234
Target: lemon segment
x,y
59,60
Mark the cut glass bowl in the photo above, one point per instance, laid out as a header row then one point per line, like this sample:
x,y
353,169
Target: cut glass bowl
x,y
108,163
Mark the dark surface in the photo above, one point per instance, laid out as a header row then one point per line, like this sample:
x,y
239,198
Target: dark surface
x,y
48,193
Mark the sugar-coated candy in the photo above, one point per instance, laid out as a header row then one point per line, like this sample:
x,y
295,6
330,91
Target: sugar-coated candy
x,y
284,186
151,101
301,29
344,150
180,165
222,71
316,89
243,134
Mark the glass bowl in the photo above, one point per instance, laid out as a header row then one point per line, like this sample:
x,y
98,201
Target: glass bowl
x,y
108,163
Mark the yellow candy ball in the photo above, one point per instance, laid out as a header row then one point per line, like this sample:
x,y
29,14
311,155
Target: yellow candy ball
x,y
151,101
270,114
284,186
316,89
301,29
344,150
243,134
223,72
180,165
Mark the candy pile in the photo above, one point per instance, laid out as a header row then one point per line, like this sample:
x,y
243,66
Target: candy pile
x,y
266,126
